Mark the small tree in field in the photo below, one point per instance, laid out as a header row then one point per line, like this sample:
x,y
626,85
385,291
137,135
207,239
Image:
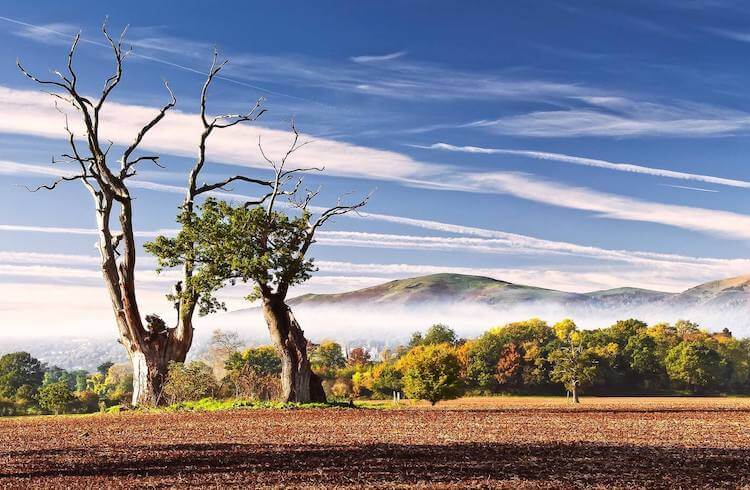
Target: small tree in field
x,y
573,365
18,369
256,243
431,372
255,373
55,397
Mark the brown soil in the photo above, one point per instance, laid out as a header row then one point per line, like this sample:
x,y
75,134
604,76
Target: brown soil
x,y
499,443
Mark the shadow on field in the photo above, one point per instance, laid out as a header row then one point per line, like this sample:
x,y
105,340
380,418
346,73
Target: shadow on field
x,y
577,464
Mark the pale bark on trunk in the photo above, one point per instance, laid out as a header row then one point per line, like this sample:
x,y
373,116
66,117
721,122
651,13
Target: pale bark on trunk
x,y
298,381
150,347
575,394
151,358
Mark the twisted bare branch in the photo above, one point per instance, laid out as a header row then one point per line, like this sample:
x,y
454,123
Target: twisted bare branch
x,y
125,163
54,184
236,178
217,122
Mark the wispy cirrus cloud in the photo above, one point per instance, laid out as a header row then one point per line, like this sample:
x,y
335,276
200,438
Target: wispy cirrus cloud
x,y
615,116
377,58
721,223
741,36
340,276
614,206
678,270
31,113
365,75
593,162
51,33
689,188
601,114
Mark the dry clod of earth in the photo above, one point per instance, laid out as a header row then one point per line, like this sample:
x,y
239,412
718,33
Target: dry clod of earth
x,y
504,442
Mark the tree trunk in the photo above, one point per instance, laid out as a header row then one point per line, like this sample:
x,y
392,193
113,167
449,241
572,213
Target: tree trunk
x,y
153,346
575,394
298,382
151,357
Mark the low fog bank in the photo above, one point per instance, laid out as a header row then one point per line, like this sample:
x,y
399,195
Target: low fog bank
x,y
389,325
375,327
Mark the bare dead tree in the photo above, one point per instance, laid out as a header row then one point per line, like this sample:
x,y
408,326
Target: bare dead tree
x,y
150,344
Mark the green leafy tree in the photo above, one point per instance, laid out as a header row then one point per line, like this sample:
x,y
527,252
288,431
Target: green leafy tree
x,y
18,369
79,379
387,378
328,357
53,374
255,373
431,372
25,393
643,353
258,244
436,334
573,366
55,397
76,379
415,340
113,387
695,365
737,355
440,334
25,398
186,382
263,360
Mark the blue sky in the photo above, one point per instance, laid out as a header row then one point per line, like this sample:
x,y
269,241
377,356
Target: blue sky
x,y
570,145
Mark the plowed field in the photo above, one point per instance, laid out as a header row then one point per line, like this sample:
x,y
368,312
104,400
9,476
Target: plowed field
x,y
499,442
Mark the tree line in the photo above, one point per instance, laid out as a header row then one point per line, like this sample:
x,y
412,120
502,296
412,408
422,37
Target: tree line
x,y
534,358
528,358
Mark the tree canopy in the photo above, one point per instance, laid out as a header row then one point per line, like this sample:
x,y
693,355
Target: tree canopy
x,y
18,369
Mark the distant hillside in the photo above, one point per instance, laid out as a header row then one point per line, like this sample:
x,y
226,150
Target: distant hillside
x,y
733,292
473,303
443,288
627,297
457,288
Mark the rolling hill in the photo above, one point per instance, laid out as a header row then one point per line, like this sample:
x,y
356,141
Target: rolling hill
x,y
442,288
457,288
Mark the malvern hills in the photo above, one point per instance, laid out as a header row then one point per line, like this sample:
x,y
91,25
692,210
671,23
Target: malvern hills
x,y
456,288
471,304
